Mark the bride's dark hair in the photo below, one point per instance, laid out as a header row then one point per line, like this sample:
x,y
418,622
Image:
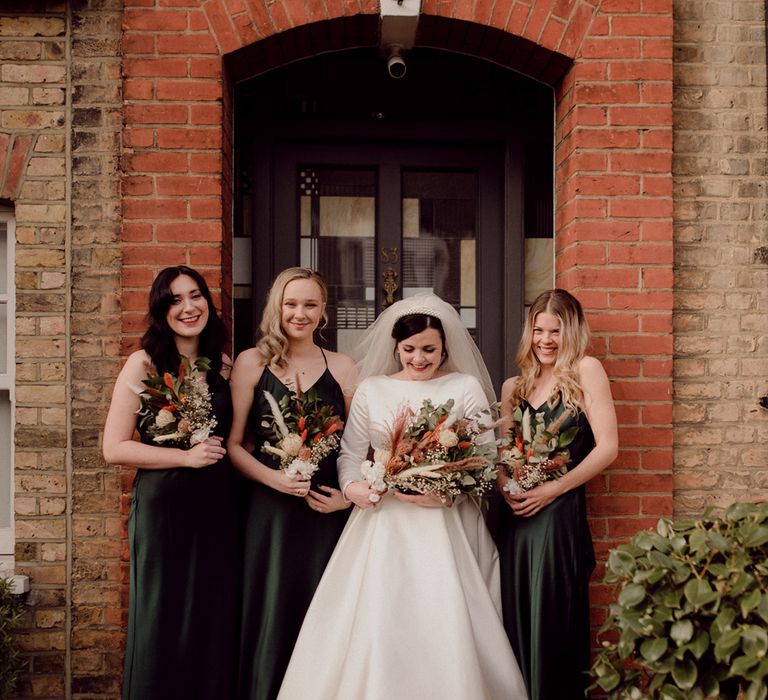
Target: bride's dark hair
x,y
409,325
159,341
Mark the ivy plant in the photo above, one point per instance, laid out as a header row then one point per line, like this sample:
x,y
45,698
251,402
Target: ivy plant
x,y
11,610
691,618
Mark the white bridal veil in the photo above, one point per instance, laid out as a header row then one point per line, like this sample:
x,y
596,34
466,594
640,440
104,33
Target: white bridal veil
x,y
375,354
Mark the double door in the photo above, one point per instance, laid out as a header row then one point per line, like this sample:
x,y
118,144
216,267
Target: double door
x,y
383,222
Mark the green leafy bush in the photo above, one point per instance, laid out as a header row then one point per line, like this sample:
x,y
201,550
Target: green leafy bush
x,y
691,619
11,610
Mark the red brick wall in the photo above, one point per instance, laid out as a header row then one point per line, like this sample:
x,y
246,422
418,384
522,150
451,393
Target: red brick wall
x,y
613,180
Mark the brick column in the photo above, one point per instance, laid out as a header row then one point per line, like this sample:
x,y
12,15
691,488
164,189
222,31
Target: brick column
x,y
33,167
96,632
721,284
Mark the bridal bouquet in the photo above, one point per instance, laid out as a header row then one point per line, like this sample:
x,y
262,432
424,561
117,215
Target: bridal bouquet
x,y
431,451
536,452
177,408
304,430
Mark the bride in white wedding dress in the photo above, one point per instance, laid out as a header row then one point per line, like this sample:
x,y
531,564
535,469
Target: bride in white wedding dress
x,y
409,605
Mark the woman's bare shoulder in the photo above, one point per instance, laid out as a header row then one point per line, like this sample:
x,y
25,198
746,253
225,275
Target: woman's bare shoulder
x,y
339,361
138,363
509,385
590,367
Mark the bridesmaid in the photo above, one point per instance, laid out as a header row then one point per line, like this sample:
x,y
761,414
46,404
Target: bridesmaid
x,y
182,611
291,525
544,541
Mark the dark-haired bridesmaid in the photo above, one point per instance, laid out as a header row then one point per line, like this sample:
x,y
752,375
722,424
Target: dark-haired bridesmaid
x,y
182,529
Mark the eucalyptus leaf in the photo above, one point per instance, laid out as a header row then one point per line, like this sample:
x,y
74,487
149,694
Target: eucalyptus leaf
x,y
699,592
679,544
750,601
697,541
756,691
727,644
762,609
699,644
684,674
681,631
632,595
662,527
742,664
671,692
717,541
653,649
621,561
754,641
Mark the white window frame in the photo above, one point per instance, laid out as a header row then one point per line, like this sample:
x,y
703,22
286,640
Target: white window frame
x,y
8,378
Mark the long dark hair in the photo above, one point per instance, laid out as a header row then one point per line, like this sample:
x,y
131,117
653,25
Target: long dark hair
x,y
159,341
409,325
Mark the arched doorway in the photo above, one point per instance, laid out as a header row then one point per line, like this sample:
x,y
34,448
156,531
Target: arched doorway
x,y
438,181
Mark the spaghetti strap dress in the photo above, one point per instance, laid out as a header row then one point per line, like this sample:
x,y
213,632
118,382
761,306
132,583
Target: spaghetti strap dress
x,y
546,562
184,603
287,546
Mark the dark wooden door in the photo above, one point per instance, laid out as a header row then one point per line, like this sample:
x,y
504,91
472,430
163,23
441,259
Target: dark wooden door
x,y
383,221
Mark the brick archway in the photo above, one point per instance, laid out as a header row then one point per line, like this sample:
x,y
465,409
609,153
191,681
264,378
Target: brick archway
x,y
610,63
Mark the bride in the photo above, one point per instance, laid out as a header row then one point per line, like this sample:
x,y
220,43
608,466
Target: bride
x,y
409,605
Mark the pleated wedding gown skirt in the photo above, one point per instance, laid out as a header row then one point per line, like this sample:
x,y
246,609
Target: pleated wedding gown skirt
x,y
408,607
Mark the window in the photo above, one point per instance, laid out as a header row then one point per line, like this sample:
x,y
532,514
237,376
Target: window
x,y
7,367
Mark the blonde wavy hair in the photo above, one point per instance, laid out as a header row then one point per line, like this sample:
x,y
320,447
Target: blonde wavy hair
x,y
573,344
273,345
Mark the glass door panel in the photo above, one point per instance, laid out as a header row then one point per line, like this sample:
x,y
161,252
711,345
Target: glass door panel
x,y
337,227
439,238
384,221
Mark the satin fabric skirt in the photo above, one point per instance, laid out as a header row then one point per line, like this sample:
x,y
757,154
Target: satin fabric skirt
x,y
408,607
546,563
183,611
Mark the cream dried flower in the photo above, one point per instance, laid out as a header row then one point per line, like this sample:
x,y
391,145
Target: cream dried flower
x,y
447,438
382,455
164,418
291,444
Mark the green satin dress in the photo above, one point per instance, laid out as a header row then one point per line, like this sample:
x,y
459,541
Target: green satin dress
x,y
287,545
546,563
184,597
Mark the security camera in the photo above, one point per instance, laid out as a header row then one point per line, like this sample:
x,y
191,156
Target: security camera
x,y
395,63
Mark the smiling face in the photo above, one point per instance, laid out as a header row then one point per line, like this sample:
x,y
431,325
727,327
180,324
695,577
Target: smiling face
x,y
187,315
546,337
421,354
301,309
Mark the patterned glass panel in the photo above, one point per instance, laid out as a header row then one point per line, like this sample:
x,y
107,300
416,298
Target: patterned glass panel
x,y
337,224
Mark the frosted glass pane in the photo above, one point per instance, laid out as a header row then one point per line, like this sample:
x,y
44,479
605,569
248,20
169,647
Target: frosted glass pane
x,y
5,459
3,257
539,267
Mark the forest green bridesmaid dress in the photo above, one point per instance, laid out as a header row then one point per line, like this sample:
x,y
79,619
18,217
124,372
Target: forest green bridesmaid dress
x,y
184,597
546,563
287,545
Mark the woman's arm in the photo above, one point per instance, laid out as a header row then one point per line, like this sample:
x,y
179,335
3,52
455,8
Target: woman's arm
x,y
246,373
118,445
600,411
354,450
